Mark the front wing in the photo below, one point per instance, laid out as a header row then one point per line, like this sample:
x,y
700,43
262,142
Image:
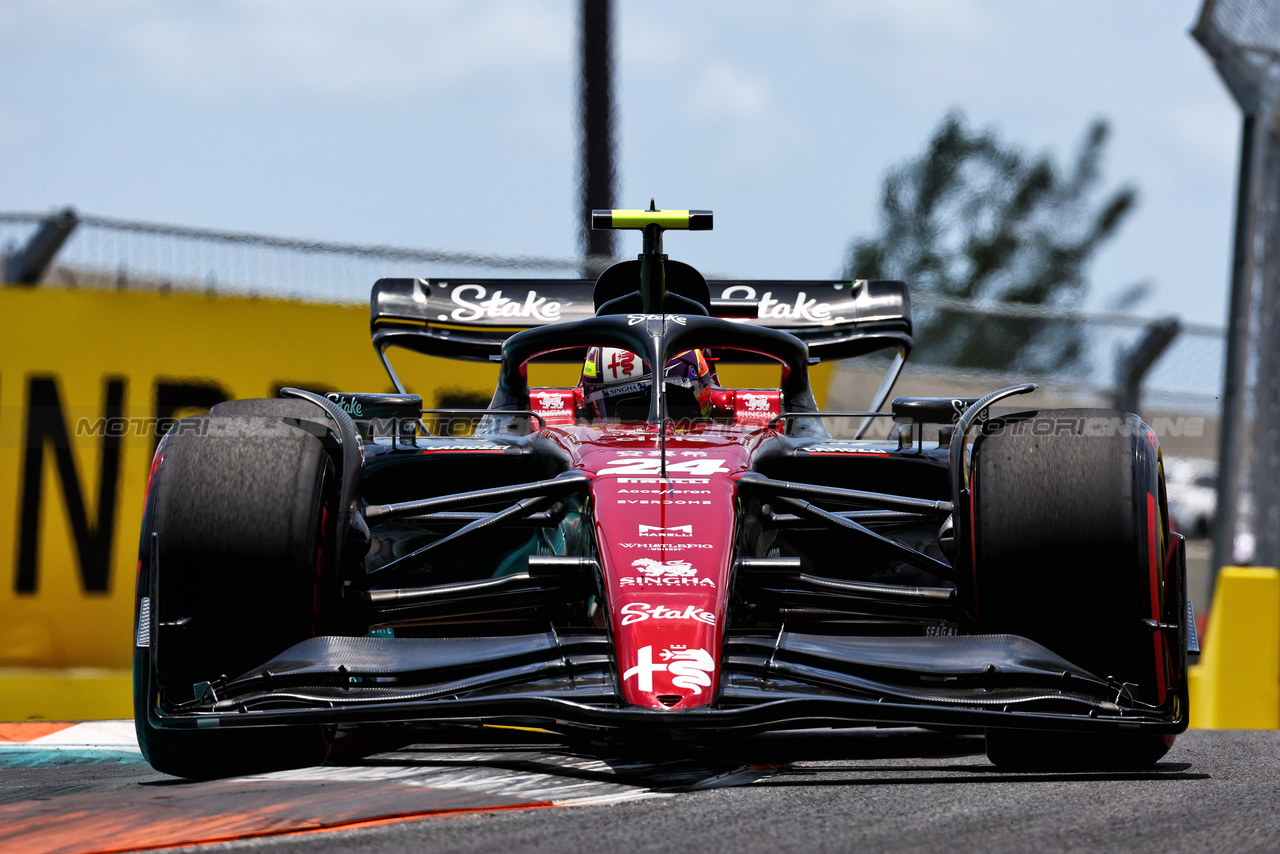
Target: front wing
x,y
568,683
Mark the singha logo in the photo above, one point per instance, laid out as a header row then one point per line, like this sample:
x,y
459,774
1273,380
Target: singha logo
x,y
549,400
656,568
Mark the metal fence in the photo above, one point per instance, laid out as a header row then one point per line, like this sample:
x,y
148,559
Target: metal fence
x,y
1186,376
102,252
107,252
1243,39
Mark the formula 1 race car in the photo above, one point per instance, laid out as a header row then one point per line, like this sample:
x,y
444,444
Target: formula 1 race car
x,y
648,555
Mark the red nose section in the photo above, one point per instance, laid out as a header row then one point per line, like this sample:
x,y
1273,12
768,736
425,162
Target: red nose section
x,y
666,545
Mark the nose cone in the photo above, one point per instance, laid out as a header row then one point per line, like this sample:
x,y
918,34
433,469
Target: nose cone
x,y
666,545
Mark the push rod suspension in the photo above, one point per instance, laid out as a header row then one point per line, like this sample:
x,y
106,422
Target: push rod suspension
x,y
415,558
555,487
847,496
904,553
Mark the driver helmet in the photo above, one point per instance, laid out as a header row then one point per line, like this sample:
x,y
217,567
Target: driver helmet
x,y
616,384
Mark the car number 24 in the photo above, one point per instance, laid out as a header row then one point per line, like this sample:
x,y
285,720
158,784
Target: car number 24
x,y
652,466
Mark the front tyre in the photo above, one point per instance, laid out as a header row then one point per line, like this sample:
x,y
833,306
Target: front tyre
x,y
1070,532
241,509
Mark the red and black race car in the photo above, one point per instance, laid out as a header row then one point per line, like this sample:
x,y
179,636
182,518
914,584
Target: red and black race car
x,y
649,555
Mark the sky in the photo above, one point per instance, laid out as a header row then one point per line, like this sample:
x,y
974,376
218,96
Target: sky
x,y
451,124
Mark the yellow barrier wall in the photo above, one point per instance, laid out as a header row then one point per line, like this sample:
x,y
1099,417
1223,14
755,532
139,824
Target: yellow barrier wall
x,y
69,518
1236,685
68,540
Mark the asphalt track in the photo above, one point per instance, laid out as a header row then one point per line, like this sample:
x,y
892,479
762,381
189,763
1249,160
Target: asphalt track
x,y
85,789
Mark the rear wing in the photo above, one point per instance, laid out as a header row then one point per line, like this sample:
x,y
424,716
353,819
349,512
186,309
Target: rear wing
x,y
470,318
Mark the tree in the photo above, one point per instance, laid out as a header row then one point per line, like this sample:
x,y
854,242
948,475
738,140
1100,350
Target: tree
x,y
975,218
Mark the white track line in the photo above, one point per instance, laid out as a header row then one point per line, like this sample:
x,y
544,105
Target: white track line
x,y
91,735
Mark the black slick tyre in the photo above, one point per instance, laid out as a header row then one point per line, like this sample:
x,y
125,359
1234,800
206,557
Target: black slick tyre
x,y
240,509
1070,533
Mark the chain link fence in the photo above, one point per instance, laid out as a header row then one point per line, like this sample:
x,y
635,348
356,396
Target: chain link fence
x,y
1187,376
102,252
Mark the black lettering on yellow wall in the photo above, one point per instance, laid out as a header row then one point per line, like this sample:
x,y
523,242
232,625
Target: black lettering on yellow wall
x,y
47,426
174,395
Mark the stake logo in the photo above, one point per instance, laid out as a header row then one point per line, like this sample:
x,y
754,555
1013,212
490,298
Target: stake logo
x,y
351,407
633,319
689,668
635,612
959,407
474,305
803,310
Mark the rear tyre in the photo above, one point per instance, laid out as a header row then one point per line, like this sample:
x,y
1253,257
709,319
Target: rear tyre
x,y
1070,532
242,510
